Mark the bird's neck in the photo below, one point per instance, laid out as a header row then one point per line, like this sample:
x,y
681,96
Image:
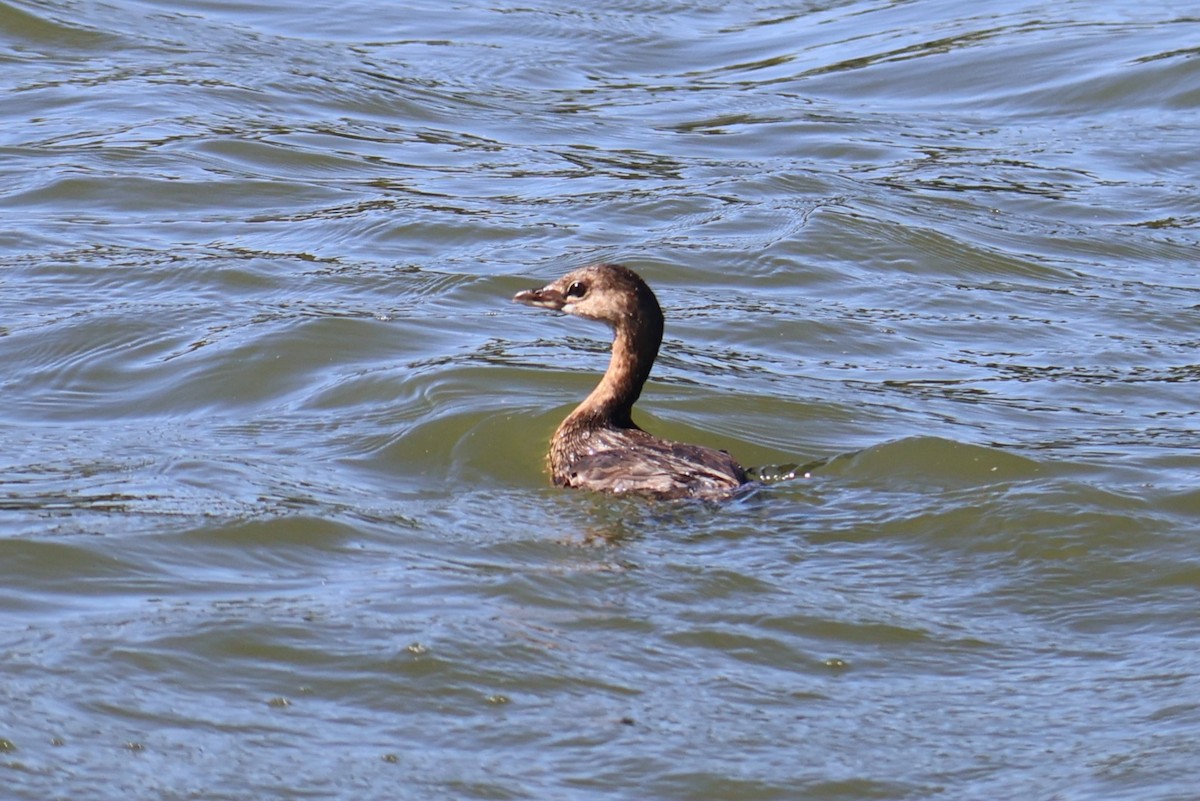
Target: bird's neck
x,y
634,348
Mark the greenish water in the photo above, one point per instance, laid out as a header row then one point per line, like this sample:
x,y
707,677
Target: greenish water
x,y
274,521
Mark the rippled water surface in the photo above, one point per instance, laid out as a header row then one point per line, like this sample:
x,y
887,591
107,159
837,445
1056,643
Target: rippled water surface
x,y
274,521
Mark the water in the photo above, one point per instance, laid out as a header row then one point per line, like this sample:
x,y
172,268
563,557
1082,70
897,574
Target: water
x,y
273,515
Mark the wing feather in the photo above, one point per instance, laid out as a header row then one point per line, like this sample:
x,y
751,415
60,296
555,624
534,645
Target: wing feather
x,y
624,460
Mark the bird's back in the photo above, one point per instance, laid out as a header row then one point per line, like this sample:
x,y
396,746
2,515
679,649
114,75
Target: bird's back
x,y
628,460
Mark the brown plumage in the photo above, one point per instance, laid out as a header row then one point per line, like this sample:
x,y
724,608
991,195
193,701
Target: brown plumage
x,y
598,446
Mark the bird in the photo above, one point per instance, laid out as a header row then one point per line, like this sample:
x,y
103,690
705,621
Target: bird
x,y
598,446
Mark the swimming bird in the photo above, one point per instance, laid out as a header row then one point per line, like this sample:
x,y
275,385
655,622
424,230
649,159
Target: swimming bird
x,y
598,446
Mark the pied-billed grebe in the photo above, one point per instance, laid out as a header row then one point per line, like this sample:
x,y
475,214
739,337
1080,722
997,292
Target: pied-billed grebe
x,y
598,446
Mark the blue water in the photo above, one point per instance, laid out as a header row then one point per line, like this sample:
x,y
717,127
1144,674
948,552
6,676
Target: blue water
x,y
274,516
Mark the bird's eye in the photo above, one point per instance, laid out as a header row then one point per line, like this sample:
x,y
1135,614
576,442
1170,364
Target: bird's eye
x,y
577,290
